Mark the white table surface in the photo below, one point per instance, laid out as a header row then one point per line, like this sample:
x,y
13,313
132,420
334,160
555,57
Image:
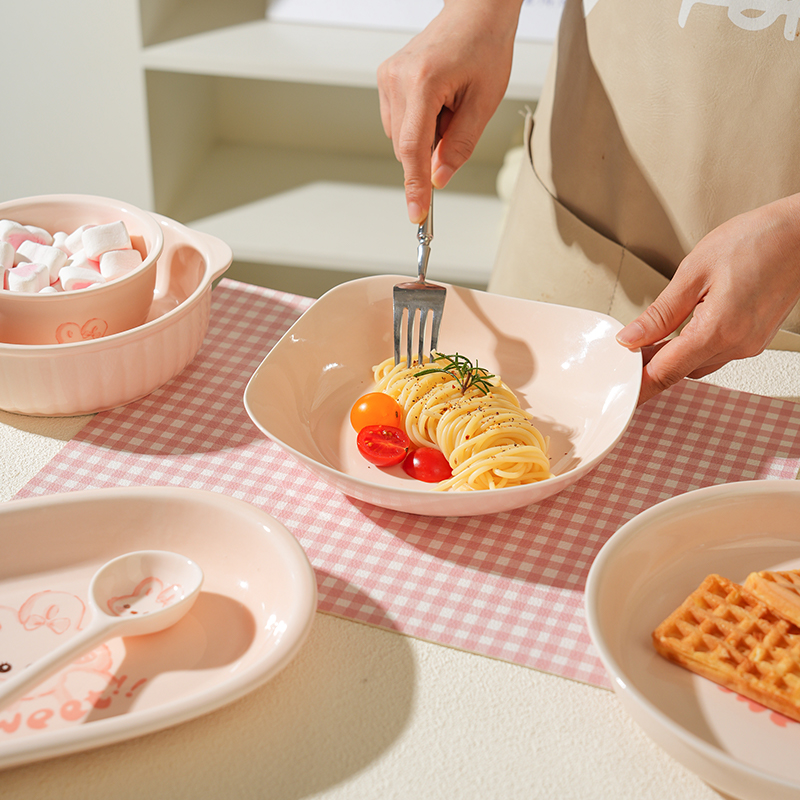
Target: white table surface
x,y
368,713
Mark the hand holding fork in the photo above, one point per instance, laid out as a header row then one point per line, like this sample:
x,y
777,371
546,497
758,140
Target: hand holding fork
x,y
419,297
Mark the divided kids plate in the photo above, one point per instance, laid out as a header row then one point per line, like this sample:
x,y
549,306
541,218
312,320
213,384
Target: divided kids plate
x,y
250,619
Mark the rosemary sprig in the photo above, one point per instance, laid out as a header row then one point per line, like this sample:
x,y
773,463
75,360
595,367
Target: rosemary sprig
x,y
462,370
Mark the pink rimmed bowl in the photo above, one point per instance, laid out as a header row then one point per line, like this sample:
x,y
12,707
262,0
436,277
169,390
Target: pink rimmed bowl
x,y
100,310
97,374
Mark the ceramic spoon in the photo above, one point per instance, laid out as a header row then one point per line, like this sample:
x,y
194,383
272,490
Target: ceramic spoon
x,y
138,593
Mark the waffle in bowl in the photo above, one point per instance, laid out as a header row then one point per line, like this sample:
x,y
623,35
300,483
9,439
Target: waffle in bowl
x,y
779,590
729,634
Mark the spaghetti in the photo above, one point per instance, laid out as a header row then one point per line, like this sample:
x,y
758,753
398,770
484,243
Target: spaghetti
x,y
478,424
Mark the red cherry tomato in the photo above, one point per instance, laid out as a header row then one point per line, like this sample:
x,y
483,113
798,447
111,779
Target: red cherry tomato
x,y
376,408
383,445
427,464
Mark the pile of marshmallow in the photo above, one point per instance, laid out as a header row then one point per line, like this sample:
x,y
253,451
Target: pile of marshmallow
x,y
32,260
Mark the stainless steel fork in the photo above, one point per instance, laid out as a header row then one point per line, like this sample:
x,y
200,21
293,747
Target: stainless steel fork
x,y
420,299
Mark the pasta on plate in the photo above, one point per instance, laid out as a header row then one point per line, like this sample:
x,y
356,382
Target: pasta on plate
x,y
477,422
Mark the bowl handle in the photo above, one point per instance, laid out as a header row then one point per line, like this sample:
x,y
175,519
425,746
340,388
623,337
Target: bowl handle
x,y
220,255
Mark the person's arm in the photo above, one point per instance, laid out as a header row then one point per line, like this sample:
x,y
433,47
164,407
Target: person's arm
x,y
738,284
460,66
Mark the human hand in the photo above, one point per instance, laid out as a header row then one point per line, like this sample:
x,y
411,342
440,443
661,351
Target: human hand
x,y
459,67
738,285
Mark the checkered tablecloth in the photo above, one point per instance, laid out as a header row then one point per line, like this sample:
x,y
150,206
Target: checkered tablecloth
x,y
508,585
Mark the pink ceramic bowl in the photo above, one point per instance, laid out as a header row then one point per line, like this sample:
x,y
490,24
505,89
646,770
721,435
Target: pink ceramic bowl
x,y
101,310
97,374
642,574
564,364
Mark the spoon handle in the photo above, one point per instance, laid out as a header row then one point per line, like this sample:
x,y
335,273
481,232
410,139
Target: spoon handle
x,y
31,676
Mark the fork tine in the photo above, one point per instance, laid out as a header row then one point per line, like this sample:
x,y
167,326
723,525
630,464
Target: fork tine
x,y
412,313
437,321
398,322
423,321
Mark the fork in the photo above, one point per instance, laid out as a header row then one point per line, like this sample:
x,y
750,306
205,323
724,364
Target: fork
x,y
419,296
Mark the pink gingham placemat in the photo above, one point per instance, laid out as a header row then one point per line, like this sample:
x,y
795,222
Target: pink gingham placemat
x,y
509,585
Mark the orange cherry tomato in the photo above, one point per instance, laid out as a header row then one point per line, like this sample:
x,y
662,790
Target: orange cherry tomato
x,y
427,464
376,408
383,445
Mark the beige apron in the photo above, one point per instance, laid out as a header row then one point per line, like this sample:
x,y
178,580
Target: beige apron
x,y
658,121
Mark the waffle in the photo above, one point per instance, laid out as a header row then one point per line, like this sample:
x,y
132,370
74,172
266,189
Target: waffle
x,y
779,590
725,633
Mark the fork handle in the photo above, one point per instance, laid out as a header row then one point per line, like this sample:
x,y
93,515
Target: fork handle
x,y
425,230
425,236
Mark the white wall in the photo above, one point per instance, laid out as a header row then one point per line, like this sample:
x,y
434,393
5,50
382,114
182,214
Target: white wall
x,y
73,101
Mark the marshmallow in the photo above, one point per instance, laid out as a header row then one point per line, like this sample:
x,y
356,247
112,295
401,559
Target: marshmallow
x,y
116,263
6,261
60,241
49,290
39,235
44,254
78,277
79,259
29,278
6,256
74,241
15,234
102,238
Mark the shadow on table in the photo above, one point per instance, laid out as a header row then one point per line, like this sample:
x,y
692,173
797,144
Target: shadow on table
x,y
512,545
343,701
60,429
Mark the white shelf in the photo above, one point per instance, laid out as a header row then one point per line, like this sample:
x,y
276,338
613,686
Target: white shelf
x,y
278,51
365,229
262,136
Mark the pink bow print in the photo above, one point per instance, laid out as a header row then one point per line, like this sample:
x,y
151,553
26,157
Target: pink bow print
x,y
56,624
